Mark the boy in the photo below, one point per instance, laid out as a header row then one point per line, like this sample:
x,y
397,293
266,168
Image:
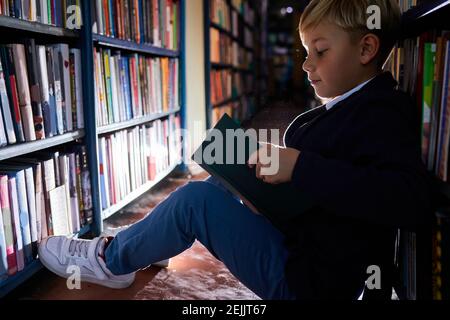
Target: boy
x,y
357,157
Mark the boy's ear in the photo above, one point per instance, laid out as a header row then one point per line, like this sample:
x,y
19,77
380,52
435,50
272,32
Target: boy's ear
x,y
370,46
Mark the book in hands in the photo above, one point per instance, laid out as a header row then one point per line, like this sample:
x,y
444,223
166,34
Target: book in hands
x,y
224,154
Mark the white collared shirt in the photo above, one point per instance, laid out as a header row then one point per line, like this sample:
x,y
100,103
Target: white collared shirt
x,y
330,104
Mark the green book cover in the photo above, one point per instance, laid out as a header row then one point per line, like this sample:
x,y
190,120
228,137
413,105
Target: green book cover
x,y
279,203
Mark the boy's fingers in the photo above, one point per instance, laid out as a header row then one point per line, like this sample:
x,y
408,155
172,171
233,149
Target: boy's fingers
x,y
258,171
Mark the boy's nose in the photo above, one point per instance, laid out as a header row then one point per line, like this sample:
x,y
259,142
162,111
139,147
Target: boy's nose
x,y
307,65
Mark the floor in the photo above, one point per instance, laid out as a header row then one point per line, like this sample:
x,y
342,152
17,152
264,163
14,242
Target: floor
x,y
194,274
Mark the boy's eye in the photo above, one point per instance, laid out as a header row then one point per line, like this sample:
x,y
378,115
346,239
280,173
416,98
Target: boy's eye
x,y
321,52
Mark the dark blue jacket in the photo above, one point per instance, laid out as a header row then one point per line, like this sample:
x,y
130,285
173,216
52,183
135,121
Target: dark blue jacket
x,y
361,163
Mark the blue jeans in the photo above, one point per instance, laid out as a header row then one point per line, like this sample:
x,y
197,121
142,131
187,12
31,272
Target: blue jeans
x,y
248,244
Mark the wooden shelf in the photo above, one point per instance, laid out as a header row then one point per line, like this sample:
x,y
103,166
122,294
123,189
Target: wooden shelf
x,y
36,27
18,149
133,46
108,212
134,122
218,65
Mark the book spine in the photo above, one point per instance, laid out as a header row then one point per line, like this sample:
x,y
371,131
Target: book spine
x,y
39,200
24,216
6,111
13,95
35,90
78,88
44,90
31,201
75,210
58,90
8,226
49,185
65,71
19,245
52,112
79,189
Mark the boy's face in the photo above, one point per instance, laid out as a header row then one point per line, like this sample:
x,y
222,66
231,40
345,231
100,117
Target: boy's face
x,y
333,62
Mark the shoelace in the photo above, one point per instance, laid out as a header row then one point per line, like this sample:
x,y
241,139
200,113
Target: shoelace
x,y
79,248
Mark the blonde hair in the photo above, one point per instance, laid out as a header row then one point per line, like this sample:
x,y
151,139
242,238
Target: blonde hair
x,y
351,15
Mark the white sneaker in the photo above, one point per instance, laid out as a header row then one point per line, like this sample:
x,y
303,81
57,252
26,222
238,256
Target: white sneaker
x,y
58,253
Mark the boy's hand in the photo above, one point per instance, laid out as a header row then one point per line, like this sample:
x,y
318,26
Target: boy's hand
x,y
266,157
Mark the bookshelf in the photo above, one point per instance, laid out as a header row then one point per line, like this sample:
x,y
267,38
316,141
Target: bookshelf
x,y
94,130
419,276
99,131
233,77
14,29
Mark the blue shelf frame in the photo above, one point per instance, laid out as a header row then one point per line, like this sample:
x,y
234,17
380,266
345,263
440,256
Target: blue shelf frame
x,y
133,46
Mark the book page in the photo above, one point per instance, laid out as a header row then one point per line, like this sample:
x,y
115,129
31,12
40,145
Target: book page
x,y
58,205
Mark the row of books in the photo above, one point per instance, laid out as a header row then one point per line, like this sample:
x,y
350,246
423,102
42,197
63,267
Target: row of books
x,y
130,158
143,21
405,5
130,86
281,59
60,13
239,110
230,20
244,8
40,91
423,67
243,83
248,38
281,38
221,85
48,193
225,50
219,12
226,84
